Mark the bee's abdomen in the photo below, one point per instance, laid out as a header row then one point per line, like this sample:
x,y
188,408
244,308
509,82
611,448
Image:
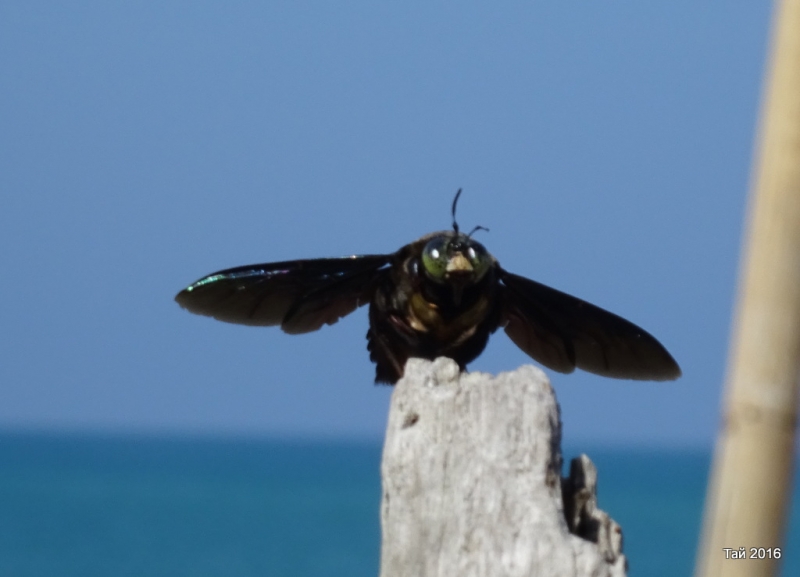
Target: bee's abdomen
x,y
410,325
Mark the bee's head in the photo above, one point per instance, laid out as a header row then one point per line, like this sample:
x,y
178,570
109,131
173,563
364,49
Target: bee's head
x,y
455,257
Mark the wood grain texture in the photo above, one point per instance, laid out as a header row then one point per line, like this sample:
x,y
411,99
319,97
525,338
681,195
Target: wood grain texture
x,y
472,480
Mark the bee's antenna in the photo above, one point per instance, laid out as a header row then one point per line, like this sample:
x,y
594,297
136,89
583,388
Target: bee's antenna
x,y
453,210
476,229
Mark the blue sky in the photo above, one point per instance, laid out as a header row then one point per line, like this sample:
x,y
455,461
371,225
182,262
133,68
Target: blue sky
x,y
606,145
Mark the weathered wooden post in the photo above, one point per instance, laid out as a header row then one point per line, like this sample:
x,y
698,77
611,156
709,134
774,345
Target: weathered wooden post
x,y
472,482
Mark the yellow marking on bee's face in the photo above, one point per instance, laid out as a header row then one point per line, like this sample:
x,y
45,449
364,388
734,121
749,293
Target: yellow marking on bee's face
x,y
459,263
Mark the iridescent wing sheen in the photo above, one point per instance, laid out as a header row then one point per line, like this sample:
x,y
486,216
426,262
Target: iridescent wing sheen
x,y
563,332
298,295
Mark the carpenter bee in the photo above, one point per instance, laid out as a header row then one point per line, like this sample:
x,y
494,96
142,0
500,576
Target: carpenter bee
x,y
441,295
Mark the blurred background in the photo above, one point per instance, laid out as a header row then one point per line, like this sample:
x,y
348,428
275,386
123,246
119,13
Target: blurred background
x,y
144,145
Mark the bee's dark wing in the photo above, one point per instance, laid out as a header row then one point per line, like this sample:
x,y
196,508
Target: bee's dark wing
x,y
298,295
563,332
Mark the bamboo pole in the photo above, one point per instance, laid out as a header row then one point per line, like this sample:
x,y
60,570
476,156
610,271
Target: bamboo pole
x,y
749,493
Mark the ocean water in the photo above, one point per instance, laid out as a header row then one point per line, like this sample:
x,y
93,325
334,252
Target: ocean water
x,y
94,505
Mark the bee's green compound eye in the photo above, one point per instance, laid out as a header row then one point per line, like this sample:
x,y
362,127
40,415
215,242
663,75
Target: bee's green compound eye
x,y
434,258
479,258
